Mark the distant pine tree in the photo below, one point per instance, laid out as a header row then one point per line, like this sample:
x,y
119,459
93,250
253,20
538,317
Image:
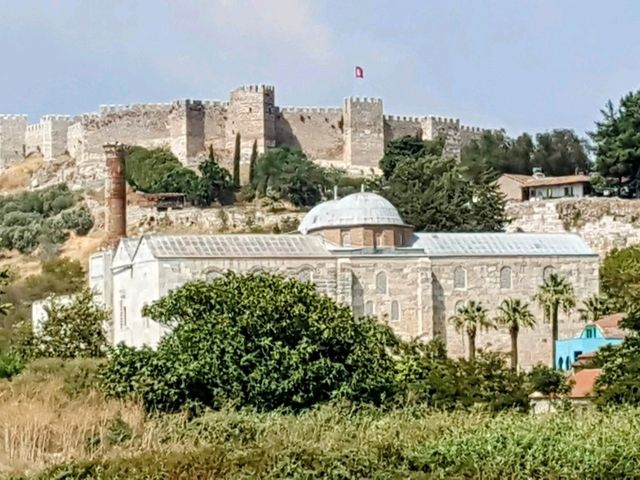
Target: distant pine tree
x,y
252,161
236,161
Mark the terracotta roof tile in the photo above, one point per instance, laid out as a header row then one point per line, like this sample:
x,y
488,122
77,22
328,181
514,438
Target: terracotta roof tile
x,y
609,326
584,382
550,181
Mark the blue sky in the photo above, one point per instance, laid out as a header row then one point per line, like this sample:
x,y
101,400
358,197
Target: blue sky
x,y
519,65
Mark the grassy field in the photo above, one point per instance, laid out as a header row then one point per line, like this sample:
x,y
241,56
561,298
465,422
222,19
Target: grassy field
x,y
55,425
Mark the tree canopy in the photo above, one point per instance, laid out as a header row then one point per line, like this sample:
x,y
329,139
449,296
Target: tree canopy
x,y
617,139
620,277
282,173
233,342
435,194
558,152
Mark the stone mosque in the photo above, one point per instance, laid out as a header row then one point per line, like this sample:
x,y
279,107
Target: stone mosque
x,y
360,252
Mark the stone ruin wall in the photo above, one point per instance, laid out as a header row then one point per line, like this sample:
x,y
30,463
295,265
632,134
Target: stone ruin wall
x,y
604,223
349,136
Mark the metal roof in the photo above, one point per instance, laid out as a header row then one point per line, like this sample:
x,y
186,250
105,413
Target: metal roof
x,y
363,208
207,246
500,244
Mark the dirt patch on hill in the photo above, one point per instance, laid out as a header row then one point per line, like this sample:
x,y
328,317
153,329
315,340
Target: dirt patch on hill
x,y
18,176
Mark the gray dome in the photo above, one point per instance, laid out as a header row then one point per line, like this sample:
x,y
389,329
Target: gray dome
x,y
363,208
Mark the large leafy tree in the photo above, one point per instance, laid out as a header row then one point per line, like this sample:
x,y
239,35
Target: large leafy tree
x,y
620,277
619,382
515,315
555,294
288,174
437,194
408,147
617,139
262,341
71,330
469,319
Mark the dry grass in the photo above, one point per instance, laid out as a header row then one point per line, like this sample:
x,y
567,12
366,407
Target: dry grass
x,y
42,425
18,176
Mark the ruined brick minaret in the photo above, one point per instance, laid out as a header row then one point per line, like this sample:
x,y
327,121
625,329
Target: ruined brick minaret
x,y
115,194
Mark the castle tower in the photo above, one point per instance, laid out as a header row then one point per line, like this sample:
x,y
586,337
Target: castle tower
x,y
363,131
115,194
12,137
54,135
449,128
252,114
186,129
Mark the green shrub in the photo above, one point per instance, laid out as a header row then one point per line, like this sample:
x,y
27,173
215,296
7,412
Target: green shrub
x,y
78,219
77,375
257,340
10,365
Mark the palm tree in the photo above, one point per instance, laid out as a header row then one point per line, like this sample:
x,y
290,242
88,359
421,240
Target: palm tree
x,y
514,314
554,294
468,319
595,307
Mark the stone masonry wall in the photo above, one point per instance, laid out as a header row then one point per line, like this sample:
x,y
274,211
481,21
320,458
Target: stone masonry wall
x,y
363,131
13,129
604,223
316,131
483,285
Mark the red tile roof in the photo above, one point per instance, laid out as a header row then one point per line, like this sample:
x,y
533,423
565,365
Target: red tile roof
x,y
531,181
609,325
584,382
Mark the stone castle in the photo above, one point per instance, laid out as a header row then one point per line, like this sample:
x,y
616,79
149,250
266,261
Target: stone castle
x,y
351,136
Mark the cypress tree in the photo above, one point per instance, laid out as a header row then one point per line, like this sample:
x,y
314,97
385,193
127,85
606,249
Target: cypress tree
x,y
252,161
236,161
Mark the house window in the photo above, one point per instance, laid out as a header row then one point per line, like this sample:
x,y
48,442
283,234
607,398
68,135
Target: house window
x,y
561,363
395,311
568,363
547,272
568,191
591,332
459,278
381,282
368,308
549,193
505,277
576,355
346,238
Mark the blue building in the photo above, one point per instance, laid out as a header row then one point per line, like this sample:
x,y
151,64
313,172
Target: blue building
x,y
594,335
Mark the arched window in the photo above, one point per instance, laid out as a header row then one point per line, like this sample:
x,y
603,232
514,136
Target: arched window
x,y
381,282
378,240
546,272
211,275
567,364
368,308
304,275
560,364
395,311
345,237
459,278
505,278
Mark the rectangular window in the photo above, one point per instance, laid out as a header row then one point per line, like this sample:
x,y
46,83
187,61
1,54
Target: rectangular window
x,y
123,313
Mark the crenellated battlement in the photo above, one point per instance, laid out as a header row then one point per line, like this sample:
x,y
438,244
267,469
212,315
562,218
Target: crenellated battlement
x,y
444,120
35,127
56,118
13,117
467,128
257,88
362,100
214,103
309,110
403,118
138,107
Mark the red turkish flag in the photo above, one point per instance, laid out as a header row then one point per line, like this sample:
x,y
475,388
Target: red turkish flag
x,y
359,72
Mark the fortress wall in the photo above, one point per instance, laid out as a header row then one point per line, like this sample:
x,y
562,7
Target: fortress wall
x,y
33,138
363,131
215,121
54,135
396,126
467,134
13,129
186,130
316,131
